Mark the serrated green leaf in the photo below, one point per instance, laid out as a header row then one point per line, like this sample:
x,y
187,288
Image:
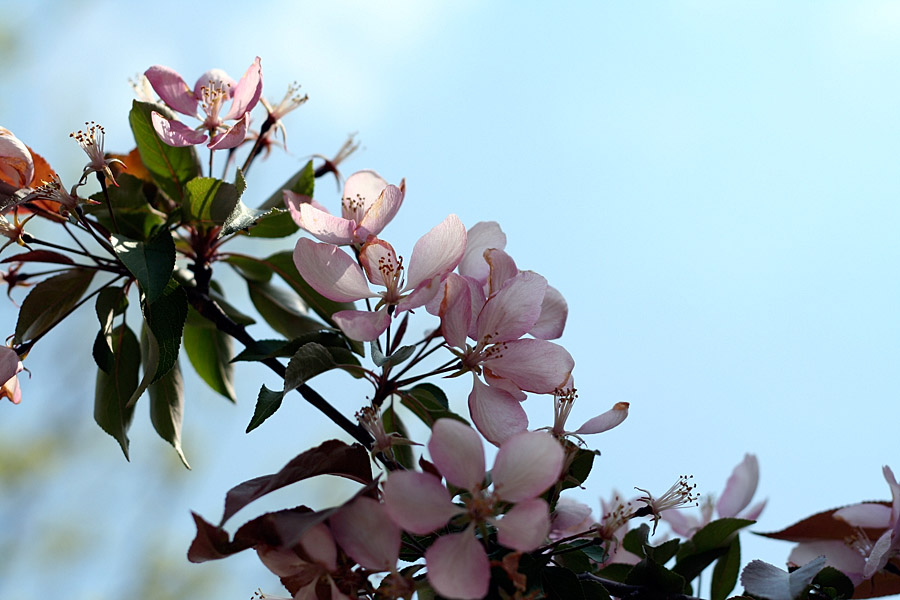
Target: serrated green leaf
x,y
396,358
111,301
707,545
282,309
635,540
663,552
594,590
725,573
310,360
275,224
167,408
209,351
150,262
302,182
209,201
579,468
49,301
113,390
267,403
171,168
250,268
135,217
429,403
166,317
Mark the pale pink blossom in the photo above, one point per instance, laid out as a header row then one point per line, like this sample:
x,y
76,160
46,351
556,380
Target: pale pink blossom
x,y
526,465
563,400
16,162
368,204
336,275
212,90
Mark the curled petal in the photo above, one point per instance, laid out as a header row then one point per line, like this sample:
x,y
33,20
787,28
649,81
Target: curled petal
x,y
740,487
361,191
379,261
231,138
172,89
246,93
325,227
503,268
362,325
16,162
437,252
418,502
366,532
330,271
480,237
513,310
525,526
175,133
554,312
527,464
458,566
382,212
532,365
457,453
496,414
606,421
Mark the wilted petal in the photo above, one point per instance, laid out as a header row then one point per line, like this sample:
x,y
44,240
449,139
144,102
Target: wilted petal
x,y
480,237
362,325
175,133
458,566
554,312
361,191
513,310
366,532
457,453
247,91
231,138
866,515
172,90
319,223
437,252
740,487
379,214
16,162
533,365
496,414
503,268
606,421
330,271
526,526
418,502
526,465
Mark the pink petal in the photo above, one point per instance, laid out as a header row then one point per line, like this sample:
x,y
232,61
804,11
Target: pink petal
x,y
554,311
366,532
455,311
11,390
482,235
361,191
437,252
214,78
175,133
172,89
233,137
532,365
330,271
865,514
9,363
362,325
379,261
421,296
571,517
681,523
753,512
247,91
319,545
382,212
879,556
418,502
526,465
503,268
16,161
457,453
740,487
458,566
497,415
526,526
895,492
611,418
513,310
504,384
283,561
837,554
325,227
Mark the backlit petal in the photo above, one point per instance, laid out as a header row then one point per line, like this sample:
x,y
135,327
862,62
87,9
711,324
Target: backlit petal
x,y
458,566
363,325
172,89
865,514
437,252
330,271
526,526
480,237
455,310
318,544
366,532
16,162
533,365
496,414
418,502
379,214
526,465
513,310
361,191
740,487
247,91
175,133
233,137
319,223
503,268
554,312
457,453
605,421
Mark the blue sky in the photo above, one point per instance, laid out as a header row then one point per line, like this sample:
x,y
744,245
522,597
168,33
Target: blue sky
x,y
712,186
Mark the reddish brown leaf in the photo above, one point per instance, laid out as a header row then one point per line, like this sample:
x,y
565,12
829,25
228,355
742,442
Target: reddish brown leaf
x,y
133,165
881,584
45,256
821,526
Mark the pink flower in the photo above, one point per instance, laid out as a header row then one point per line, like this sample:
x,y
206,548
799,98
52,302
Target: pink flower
x,y
16,162
336,275
10,366
367,206
526,465
563,400
212,90
736,496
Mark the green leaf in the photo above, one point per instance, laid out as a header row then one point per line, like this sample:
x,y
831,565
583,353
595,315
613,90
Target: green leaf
x,y
309,361
594,590
662,553
266,404
596,553
403,454
167,408
135,217
635,540
707,545
171,168
166,317
110,302
113,390
561,584
402,353
212,202
656,577
579,468
209,351
302,182
151,262
335,342
49,301
725,573
275,224
429,403
282,309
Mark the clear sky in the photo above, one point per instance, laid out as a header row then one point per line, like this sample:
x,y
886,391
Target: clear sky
x,y
713,186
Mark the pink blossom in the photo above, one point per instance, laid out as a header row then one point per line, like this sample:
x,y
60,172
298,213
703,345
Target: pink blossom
x,y
336,275
526,465
10,367
563,400
367,206
212,90
16,162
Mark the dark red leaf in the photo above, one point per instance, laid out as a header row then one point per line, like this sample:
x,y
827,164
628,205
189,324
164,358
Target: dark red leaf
x,y
46,256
